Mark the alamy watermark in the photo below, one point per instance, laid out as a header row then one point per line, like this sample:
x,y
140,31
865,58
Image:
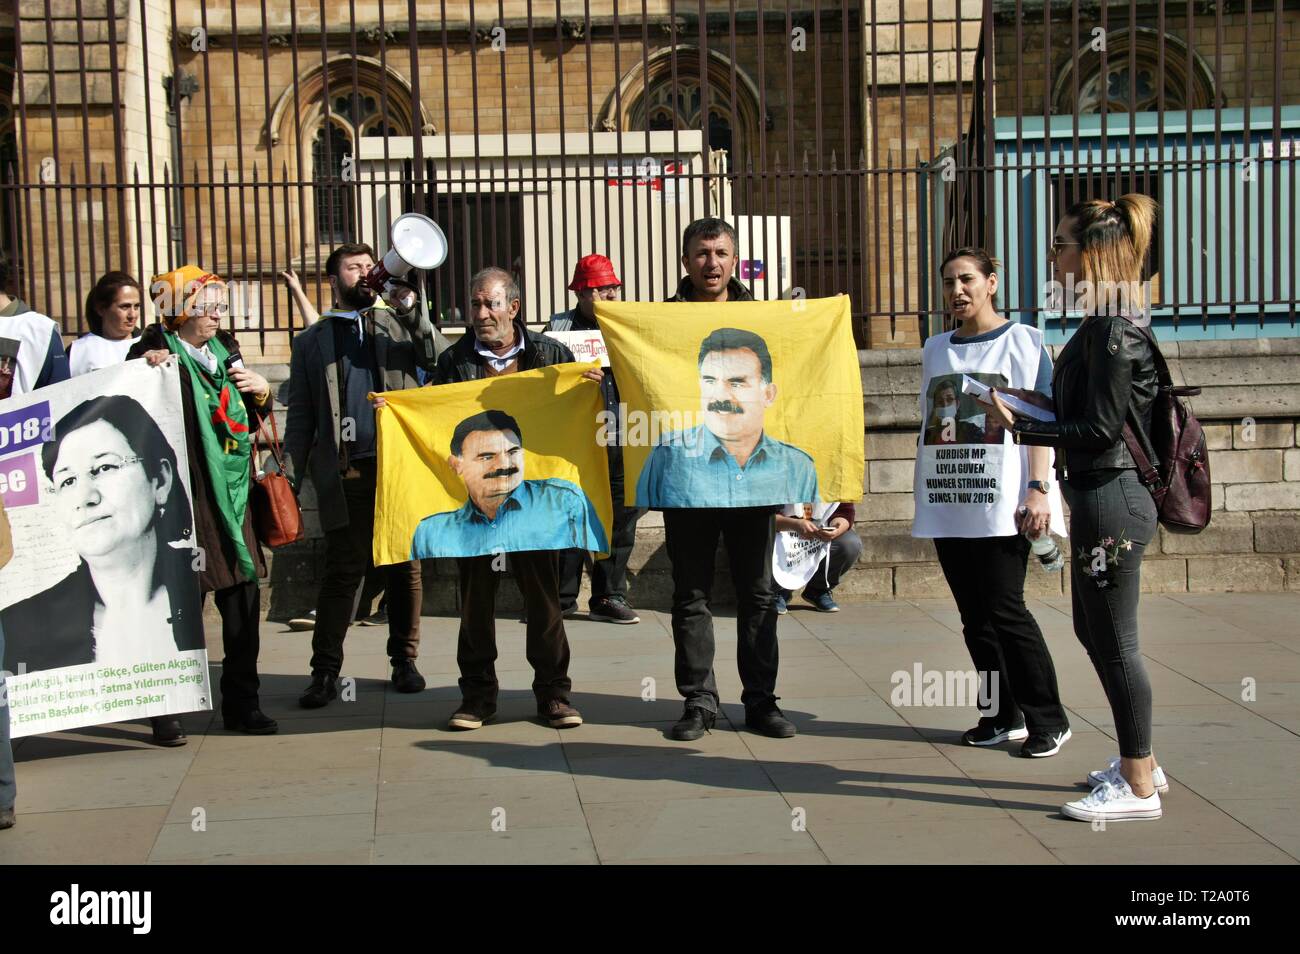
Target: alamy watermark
x,y
642,428
945,687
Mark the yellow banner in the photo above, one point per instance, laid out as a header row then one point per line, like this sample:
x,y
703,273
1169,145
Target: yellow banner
x,y
494,466
738,404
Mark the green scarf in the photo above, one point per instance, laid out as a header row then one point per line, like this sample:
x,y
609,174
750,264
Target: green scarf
x,y
224,433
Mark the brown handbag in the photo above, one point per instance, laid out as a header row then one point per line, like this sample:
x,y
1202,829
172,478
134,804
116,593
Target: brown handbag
x,y
277,521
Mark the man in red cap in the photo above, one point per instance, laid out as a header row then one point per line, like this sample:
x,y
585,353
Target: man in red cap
x,y
595,280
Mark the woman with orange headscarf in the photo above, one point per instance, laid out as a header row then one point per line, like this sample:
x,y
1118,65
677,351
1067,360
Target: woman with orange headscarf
x,y
223,404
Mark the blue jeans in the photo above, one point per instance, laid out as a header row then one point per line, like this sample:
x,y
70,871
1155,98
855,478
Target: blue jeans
x,y
8,786
1113,505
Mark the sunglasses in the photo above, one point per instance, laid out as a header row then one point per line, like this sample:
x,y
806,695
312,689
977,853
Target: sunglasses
x,y
1059,244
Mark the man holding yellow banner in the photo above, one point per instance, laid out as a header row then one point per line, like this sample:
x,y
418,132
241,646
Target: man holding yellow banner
x,y
497,466
734,408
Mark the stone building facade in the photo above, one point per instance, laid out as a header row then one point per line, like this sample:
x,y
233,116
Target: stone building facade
x,y
829,114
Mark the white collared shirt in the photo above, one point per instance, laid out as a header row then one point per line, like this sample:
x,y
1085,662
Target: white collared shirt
x,y
499,362
203,356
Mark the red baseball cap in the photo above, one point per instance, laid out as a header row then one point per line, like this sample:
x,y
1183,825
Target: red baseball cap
x,y
593,271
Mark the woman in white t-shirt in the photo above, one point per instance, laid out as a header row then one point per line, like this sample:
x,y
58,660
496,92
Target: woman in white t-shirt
x,y
977,494
113,314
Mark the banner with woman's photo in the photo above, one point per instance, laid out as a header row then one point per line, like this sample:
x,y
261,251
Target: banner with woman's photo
x,y
100,604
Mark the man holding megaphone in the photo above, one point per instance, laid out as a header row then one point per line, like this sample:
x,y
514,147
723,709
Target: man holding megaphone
x,y
372,340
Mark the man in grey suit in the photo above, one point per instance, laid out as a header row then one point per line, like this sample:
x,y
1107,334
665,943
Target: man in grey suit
x,y
360,345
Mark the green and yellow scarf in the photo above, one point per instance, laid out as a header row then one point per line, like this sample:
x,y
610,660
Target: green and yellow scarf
x,y
224,433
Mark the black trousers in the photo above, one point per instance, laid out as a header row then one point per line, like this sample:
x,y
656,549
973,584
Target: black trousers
x,y
239,607
987,579
348,557
609,576
692,542
374,584
547,647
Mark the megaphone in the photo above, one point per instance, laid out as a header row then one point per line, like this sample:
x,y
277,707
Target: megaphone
x,y
417,242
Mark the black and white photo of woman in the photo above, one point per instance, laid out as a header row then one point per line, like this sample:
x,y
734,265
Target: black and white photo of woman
x,y
134,595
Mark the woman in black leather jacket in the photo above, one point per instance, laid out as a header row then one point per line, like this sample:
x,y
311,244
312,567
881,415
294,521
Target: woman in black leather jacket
x,y
1104,376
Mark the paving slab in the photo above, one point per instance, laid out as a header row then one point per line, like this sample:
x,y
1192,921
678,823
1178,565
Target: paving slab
x,y
697,827
998,841
380,779
477,805
103,836
526,846
232,840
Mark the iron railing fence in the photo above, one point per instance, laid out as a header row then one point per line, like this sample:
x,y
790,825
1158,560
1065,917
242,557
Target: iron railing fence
x,y
852,143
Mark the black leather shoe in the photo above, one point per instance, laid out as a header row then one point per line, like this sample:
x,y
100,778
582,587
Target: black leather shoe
x,y
323,689
167,731
254,722
767,719
406,678
694,722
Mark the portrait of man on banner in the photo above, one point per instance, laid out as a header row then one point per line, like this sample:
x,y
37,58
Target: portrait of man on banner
x,y
739,404
487,454
729,458
499,465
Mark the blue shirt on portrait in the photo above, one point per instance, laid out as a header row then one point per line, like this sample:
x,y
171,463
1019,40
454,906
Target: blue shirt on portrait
x,y
537,515
692,468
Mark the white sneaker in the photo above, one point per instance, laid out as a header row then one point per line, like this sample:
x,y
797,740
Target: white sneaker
x,y
1113,800
1112,771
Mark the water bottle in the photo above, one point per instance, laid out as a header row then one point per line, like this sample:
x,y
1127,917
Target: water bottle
x,y
1049,555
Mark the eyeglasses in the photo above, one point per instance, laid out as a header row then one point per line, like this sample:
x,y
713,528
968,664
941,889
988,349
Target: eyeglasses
x,y
107,468
1058,244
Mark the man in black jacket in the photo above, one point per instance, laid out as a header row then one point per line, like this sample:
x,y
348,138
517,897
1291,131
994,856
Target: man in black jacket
x,y
594,280
500,344
691,538
357,347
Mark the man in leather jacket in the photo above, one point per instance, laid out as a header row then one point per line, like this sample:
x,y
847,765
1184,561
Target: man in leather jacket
x,y
497,344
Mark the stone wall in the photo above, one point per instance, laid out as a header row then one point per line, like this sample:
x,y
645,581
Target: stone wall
x,y
1250,406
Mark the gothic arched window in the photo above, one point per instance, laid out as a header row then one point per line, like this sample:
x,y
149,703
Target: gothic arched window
x,y
1133,79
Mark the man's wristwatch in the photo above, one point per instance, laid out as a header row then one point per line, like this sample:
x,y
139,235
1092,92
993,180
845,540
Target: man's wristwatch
x,y
1042,486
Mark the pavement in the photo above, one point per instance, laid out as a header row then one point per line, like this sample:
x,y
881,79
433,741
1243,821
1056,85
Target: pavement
x,y
379,779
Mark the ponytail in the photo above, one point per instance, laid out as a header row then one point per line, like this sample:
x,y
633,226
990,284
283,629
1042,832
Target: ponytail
x,y
1114,241
1139,212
